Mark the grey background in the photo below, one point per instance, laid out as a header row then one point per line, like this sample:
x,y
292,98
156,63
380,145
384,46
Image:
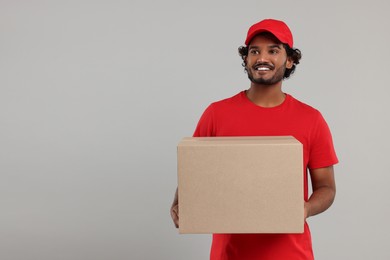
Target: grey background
x,y
95,96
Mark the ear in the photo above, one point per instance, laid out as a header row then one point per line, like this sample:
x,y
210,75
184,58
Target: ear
x,y
289,63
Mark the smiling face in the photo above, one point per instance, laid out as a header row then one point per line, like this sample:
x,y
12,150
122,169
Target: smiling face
x,y
267,60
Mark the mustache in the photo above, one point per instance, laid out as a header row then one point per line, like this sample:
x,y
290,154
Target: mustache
x,y
263,64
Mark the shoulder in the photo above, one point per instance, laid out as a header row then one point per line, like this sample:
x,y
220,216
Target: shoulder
x,y
233,99
214,113
228,102
303,108
222,107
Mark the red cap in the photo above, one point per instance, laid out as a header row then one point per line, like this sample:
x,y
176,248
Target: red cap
x,y
278,28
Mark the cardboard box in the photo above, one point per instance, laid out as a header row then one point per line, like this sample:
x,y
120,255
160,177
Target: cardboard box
x,y
240,185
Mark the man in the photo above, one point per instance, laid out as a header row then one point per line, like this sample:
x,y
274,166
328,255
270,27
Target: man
x,y
265,110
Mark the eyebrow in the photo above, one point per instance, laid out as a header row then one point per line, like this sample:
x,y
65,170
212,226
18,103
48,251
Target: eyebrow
x,y
275,46
272,46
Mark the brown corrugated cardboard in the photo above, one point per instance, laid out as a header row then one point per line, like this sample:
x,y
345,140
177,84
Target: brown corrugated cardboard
x,y
240,185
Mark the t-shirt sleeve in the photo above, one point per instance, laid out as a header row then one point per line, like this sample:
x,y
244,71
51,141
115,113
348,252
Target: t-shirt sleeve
x,y
205,125
322,152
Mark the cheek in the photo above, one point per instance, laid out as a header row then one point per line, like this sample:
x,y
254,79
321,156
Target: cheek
x,y
251,60
247,61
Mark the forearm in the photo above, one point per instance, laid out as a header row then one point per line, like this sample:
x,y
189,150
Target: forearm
x,y
320,200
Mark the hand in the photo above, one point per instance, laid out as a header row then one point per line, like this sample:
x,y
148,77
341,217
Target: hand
x,y
175,209
175,214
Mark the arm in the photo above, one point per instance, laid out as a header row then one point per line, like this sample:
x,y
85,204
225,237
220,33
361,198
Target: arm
x,y
205,127
324,191
175,210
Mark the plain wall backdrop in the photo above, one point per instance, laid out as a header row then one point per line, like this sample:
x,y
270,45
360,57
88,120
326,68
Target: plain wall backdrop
x,y
95,96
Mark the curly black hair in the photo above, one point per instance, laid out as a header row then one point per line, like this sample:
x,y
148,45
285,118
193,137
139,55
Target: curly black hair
x,y
293,53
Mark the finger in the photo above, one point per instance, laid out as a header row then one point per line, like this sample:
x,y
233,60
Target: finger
x,y
176,222
175,217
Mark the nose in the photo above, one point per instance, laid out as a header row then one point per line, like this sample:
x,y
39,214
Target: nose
x,y
262,57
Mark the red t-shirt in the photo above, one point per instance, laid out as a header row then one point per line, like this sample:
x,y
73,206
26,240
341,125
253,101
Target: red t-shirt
x,y
238,116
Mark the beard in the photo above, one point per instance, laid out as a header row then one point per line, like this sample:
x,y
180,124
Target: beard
x,y
278,76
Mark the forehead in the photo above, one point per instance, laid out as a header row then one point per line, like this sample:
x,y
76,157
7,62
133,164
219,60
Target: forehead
x,y
264,39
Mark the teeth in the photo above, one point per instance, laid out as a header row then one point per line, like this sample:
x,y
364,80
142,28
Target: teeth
x,y
262,68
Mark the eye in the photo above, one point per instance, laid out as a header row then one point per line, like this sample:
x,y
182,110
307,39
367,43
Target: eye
x,y
274,51
253,52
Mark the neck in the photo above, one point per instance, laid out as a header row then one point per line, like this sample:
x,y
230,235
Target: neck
x,y
266,96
